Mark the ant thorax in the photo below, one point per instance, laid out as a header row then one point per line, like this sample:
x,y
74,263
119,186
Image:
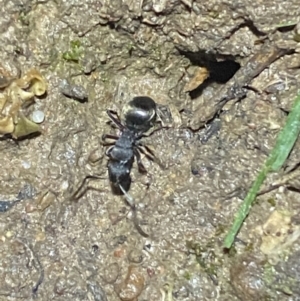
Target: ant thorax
x,y
122,151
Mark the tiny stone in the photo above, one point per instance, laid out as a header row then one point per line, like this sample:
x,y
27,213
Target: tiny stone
x,y
73,91
37,116
26,164
9,234
103,58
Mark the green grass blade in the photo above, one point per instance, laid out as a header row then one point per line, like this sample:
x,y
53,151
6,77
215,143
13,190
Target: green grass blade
x,y
284,144
286,138
245,208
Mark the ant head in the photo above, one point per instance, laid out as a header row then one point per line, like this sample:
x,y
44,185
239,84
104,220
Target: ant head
x,y
140,113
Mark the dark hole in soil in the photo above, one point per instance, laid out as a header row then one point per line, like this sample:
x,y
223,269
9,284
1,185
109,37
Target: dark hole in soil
x,y
219,71
223,71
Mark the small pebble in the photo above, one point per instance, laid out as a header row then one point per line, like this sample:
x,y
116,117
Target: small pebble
x,y
297,33
38,116
135,256
9,234
26,164
132,286
111,274
6,205
73,91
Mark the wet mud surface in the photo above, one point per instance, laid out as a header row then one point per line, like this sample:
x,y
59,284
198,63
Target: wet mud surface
x,y
98,55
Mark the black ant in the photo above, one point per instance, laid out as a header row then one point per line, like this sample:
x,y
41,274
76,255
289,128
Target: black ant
x,y
139,117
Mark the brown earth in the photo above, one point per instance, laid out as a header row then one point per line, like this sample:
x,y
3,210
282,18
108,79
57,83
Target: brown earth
x,y
182,54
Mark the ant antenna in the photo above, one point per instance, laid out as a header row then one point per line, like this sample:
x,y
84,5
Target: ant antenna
x,y
131,202
128,197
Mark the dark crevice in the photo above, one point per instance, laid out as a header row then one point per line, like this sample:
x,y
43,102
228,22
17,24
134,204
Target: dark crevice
x,y
219,71
222,72
111,25
221,68
249,23
286,28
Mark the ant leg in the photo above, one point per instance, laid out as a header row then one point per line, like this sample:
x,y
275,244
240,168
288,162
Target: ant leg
x,y
115,120
149,154
154,131
140,164
104,137
108,136
108,144
108,151
149,150
77,194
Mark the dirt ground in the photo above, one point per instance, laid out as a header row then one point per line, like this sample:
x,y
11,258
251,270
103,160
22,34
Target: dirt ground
x,y
190,57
